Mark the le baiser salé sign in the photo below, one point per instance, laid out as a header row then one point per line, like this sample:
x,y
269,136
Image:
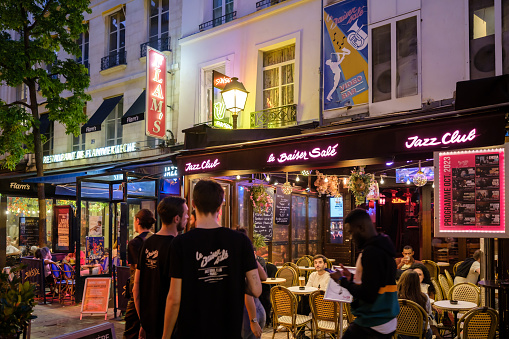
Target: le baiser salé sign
x,y
299,155
90,153
156,94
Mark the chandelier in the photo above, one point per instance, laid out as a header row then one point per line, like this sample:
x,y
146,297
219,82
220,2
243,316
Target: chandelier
x,y
287,187
419,178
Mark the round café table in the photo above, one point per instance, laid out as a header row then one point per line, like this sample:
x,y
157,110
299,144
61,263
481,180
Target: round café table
x,y
443,264
274,281
455,308
502,304
306,290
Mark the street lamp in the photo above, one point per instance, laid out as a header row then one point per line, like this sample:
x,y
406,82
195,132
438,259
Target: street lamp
x,y
234,96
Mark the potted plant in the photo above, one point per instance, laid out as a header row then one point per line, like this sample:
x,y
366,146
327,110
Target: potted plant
x,y
258,240
17,301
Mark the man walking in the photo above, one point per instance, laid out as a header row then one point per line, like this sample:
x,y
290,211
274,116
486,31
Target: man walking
x,y
152,277
375,303
211,269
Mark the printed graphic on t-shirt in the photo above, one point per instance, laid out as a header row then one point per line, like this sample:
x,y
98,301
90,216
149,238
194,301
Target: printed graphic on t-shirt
x,y
151,258
213,273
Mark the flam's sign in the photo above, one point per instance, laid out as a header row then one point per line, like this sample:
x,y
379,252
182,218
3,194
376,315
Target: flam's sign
x,y
156,94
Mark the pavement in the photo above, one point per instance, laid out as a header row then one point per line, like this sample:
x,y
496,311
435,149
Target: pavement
x,y
55,319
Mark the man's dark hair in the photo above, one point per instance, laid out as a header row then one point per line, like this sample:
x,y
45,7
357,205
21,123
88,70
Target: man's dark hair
x,y
169,208
320,256
146,218
357,214
208,196
408,247
477,254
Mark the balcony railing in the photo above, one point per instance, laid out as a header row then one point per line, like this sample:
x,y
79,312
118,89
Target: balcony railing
x,y
218,21
267,3
114,59
162,45
275,117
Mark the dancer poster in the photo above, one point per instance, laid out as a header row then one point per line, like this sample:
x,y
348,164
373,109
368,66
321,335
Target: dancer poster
x,y
345,54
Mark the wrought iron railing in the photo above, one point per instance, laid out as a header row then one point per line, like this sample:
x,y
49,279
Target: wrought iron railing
x,y
218,21
267,3
275,117
162,44
114,59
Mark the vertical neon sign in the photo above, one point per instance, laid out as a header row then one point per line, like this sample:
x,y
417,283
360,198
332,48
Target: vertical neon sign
x,y
155,105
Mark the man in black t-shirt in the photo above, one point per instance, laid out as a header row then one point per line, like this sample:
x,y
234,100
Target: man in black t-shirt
x,y
152,277
211,269
143,222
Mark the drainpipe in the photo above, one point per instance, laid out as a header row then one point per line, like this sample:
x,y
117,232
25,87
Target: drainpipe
x,y
320,96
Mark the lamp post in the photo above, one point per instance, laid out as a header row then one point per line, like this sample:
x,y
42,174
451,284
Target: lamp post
x,y
234,96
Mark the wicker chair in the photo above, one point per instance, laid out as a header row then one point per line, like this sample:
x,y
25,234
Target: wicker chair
x,y
284,305
465,292
445,285
329,264
289,274
480,322
412,319
304,261
70,282
448,275
59,281
326,315
455,267
295,267
432,267
439,295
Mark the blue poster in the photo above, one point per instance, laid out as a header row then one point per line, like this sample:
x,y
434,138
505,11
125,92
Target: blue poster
x,y
345,54
95,248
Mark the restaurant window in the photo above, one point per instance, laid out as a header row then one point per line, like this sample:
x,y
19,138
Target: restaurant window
x,y
79,142
208,95
47,146
95,233
243,195
220,9
159,21
299,223
83,43
117,38
395,44
114,126
313,230
278,77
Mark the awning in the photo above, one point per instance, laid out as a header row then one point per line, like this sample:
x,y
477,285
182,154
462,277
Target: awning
x,y
44,123
136,112
65,178
94,123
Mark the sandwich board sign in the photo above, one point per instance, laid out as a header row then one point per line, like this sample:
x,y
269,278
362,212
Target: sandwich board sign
x,y
96,295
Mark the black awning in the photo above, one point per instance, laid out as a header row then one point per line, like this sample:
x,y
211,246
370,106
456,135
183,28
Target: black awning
x,y
136,112
44,123
95,121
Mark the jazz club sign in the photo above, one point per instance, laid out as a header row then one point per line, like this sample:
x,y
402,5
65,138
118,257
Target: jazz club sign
x,y
156,94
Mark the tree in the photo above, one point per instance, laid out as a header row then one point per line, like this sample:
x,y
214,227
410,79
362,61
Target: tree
x,y
32,32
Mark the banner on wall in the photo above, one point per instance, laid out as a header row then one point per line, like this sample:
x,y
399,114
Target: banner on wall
x,y
345,54
471,193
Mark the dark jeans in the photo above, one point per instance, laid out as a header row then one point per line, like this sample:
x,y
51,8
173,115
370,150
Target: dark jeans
x,y
132,323
355,331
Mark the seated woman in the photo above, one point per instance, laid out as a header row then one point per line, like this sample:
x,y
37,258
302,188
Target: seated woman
x,y
409,288
425,279
45,254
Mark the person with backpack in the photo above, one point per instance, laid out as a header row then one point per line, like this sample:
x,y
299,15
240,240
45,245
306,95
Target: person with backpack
x,y
469,270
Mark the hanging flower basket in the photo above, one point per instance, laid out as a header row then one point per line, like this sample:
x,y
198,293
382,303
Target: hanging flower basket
x,y
359,185
262,201
327,184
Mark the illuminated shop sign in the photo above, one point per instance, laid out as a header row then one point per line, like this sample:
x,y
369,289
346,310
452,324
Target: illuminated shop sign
x,y
205,165
455,137
316,152
170,171
471,193
90,153
156,94
220,116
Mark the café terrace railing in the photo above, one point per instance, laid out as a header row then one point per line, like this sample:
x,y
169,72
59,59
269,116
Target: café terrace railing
x,y
114,59
267,3
218,21
275,117
162,45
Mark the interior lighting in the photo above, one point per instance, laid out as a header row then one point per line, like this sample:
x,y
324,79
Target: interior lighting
x,y
326,179
267,178
408,181
275,182
389,163
287,187
238,177
297,178
382,181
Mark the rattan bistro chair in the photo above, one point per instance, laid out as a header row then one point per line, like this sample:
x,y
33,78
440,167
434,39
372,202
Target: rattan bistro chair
x,y
284,306
450,280
412,319
465,292
445,285
288,273
295,267
432,267
325,315
455,267
70,282
439,295
480,322
304,261
58,280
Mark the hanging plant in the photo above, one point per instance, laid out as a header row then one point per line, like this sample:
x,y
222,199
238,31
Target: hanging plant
x,y
374,190
359,184
327,184
261,199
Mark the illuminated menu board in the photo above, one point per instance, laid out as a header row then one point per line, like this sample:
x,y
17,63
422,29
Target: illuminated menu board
x,y
471,194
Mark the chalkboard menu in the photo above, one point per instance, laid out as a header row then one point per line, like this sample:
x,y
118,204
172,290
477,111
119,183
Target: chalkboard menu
x,y
283,208
29,231
263,224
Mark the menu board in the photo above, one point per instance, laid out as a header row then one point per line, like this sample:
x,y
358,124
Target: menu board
x,y
283,208
96,295
471,193
263,224
62,229
29,231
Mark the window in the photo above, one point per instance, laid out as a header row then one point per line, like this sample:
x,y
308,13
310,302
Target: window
x,y
222,8
117,38
394,60
83,44
47,147
209,95
22,93
278,77
79,142
114,125
159,21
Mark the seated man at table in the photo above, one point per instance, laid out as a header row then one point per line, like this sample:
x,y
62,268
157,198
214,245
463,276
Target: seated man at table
x,y
407,260
469,270
319,278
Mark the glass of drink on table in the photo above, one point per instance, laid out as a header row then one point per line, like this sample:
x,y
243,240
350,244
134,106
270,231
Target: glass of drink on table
x,y
302,281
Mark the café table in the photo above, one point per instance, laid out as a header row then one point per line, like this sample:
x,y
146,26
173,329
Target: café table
x,y
274,281
455,308
306,268
503,311
304,291
443,264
